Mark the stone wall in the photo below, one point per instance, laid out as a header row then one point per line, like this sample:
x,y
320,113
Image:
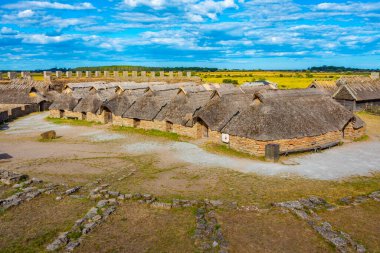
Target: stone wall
x,y
257,148
350,133
55,114
99,118
148,125
71,114
117,120
185,131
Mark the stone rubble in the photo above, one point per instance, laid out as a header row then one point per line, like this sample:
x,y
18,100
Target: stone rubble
x,y
9,177
349,200
305,210
94,217
72,190
208,235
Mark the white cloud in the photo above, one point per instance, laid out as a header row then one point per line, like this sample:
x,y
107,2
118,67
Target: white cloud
x,y
349,6
155,4
25,14
44,39
48,5
142,17
8,31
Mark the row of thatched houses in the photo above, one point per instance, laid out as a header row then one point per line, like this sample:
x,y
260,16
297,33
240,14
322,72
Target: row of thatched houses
x,y
356,93
245,118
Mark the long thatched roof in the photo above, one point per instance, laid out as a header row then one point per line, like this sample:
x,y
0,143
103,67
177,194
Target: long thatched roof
x,y
64,102
28,95
90,103
120,103
182,108
329,86
358,89
148,106
288,114
220,110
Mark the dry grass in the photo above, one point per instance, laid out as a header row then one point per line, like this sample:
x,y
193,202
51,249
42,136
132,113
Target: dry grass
x,y
32,225
284,79
138,228
361,222
269,232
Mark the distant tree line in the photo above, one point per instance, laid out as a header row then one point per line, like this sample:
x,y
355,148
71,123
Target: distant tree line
x,y
325,68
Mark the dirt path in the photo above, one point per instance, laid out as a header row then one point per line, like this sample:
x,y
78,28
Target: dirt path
x,y
19,142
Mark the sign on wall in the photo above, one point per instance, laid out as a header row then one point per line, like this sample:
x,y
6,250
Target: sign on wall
x,y
225,138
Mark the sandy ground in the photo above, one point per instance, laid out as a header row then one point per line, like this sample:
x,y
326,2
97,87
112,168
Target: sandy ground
x,y
348,160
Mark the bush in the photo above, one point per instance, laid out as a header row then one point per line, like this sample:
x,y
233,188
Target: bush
x,y
230,81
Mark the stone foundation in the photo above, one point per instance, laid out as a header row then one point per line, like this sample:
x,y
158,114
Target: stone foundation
x,y
185,131
148,125
71,114
54,114
350,133
257,148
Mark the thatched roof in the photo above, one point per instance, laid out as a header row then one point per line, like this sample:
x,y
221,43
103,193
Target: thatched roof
x,y
260,83
288,114
358,88
80,85
64,102
172,86
120,103
329,86
254,89
219,110
24,84
226,90
148,106
90,103
80,93
183,107
28,95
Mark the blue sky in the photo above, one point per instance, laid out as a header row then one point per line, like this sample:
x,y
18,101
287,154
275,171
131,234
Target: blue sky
x,y
249,34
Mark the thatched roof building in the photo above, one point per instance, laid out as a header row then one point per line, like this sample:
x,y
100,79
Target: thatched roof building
x,y
288,114
221,109
328,86
64,102
90,103
182,108
21,95
357,93
120,103
148,106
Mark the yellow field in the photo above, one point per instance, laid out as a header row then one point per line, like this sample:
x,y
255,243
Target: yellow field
x,y
284,79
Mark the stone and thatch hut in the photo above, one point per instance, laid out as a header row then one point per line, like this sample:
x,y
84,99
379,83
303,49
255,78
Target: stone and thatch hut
x,y
328,86
221,108
358,93
120,103
179,113
63,106
24,95
91,107
144,111
297,120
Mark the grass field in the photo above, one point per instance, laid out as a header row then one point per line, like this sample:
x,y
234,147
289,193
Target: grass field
x,y
284,79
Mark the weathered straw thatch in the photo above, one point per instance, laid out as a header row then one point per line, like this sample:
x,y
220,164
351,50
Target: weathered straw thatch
x,y
174,86
74,86
90,103
120,103
64,102
148,106
182,108
79,93
328,86
219,110
358,89
254,89
28,95
24,84
260,83
288,114
226,90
